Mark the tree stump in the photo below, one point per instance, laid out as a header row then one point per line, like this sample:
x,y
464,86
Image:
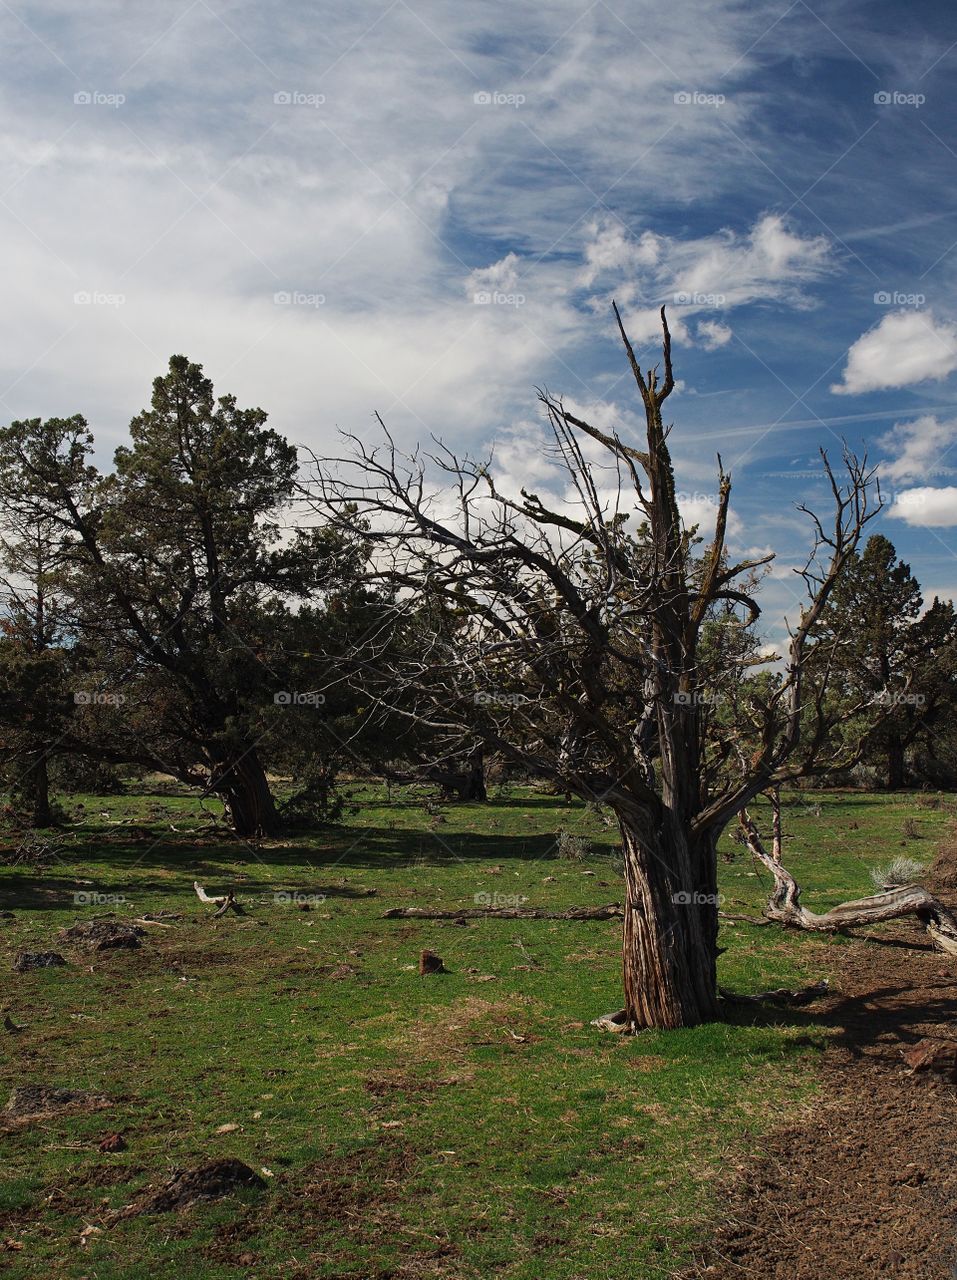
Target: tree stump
x,y
429,962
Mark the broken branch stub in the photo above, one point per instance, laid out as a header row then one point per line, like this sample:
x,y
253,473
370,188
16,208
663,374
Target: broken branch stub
x,y
224,902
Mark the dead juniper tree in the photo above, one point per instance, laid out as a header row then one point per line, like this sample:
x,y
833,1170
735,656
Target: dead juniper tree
x,y
612,657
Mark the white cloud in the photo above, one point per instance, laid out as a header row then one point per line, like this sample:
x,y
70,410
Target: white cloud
x,y
707,274
610,249
701,509
200,197
500,277
906,347
926,506
920,447
934,592
713,334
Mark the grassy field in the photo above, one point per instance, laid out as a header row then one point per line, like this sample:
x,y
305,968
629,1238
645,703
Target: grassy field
x,y
470,1124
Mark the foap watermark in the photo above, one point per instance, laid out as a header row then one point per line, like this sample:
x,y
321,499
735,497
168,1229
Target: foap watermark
x,y
507,900
97,298
298,298
98,698
895,98
97,98
889,699
686,299
496,98
293,898
695,98
698,699
93,899
692,898
483,699
707,499
296,98
886,298
495,298
299,698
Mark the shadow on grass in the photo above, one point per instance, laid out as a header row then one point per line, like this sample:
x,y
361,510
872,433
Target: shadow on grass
x,y
130,866
888,1017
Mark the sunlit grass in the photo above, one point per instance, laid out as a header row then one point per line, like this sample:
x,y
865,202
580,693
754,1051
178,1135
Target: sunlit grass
x,y
464,1125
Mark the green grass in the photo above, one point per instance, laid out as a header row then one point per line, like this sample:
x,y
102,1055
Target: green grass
x,y
470,1124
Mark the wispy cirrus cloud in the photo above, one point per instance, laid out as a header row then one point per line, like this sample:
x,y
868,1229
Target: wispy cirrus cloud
x,y
920,448
377,167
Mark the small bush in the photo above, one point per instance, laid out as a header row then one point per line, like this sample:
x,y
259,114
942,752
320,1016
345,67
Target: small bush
x,y
32,851
318,801
902,870
572,847
77,775
910,829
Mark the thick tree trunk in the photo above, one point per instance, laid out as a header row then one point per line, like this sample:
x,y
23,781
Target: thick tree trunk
x,y
474,788
895,763
35,786
669,945
469,784
244,789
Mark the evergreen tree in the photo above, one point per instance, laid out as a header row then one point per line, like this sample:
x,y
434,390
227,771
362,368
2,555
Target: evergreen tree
x,y
891,651
168,564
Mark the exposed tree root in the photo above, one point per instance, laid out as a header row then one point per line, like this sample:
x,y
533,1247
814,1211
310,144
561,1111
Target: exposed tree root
x,y
618,1023
784,904
779,995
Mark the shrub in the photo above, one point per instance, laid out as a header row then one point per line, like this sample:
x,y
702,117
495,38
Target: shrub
x,y
572,847
901,870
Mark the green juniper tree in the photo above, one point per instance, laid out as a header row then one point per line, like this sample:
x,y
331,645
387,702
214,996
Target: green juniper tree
x,y
884,645
167,564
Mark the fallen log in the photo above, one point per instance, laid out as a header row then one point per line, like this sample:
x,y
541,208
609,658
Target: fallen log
x,y
784,903
611,911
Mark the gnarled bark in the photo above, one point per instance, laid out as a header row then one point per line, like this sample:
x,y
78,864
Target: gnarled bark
x,y
785,906
669,939
244,789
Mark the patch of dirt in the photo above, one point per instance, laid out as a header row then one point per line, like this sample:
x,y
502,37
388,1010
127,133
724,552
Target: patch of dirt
x,y
209,1181
37,1101
27,960
867,1185
342,1206
452,1031
397,1081
942,876
104,935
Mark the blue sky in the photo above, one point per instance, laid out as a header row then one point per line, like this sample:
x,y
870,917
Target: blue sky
x,y
424,209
